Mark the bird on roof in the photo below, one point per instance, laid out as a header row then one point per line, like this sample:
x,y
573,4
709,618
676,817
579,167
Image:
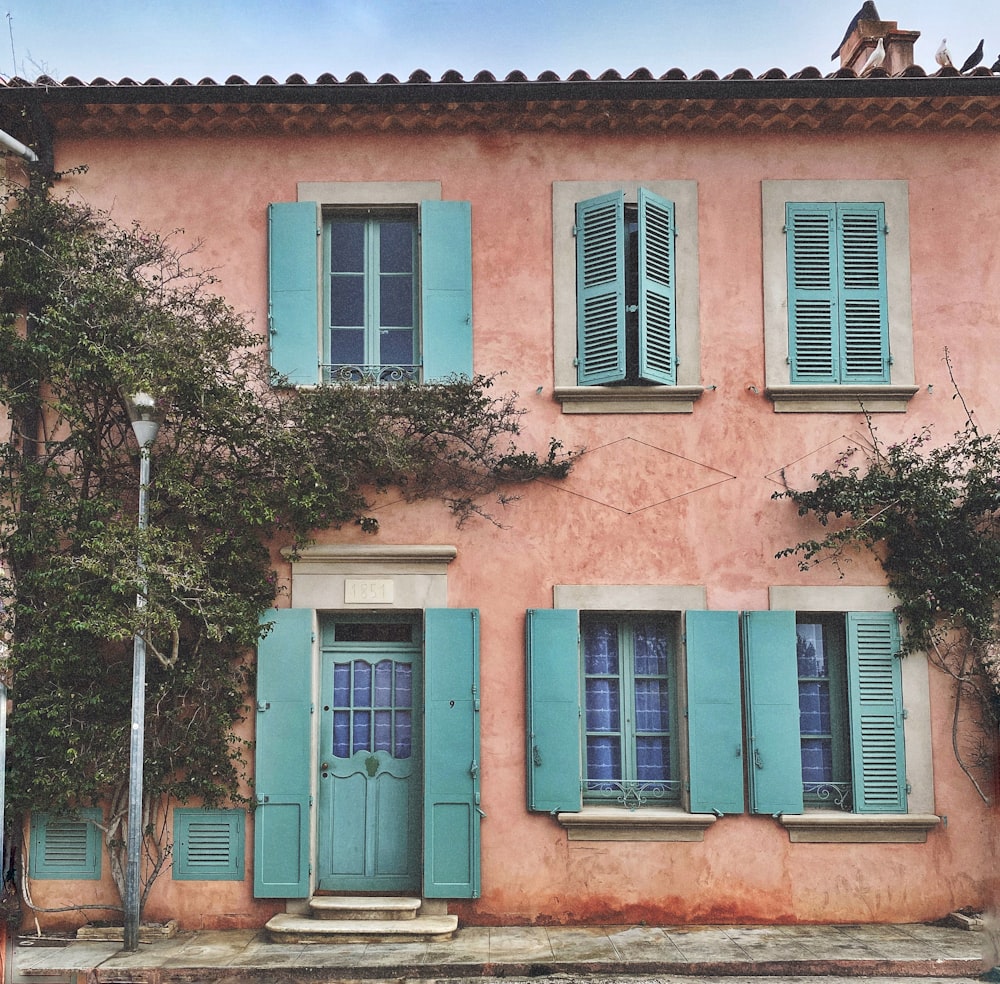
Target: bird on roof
x,y
867,12
943,56
875,59
995,67
974,59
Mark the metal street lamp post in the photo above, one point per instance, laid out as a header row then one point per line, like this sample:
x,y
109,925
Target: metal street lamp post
x,y
145,424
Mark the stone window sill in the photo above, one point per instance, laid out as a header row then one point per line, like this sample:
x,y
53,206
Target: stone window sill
x,y
610,823
841,399
829,827
628,399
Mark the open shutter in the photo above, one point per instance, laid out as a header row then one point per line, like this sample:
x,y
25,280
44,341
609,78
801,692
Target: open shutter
x,y
657,310
293,291
446,289
775,766
874,689
864,321
283,756
715,717
600,289
555,778
810,228
451,753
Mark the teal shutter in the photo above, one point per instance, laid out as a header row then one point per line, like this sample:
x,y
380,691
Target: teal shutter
x,y
554,768
772,689
66,847
810,228
875,695
600,289
715,716
446,289
283,756
864,322
657,290
293,291
208,845
451,753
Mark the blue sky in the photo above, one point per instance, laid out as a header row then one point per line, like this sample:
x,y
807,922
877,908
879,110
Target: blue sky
x,y
193,39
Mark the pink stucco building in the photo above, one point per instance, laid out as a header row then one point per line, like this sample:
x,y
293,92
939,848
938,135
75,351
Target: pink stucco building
x,y
631,710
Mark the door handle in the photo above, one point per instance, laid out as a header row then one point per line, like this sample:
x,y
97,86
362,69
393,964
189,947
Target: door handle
x,y
757,760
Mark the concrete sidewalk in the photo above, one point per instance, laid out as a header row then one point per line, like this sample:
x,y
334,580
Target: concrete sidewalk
x,y
869,951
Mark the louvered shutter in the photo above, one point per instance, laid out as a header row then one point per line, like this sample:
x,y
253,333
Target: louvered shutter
x,y
553,710
452,809
775,767
657,290
715,719
66,847
293,291
864,323
446,289
874,688
208,845
812,303
283,756
600,289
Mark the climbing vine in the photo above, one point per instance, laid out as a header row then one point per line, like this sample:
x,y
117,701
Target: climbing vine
x,y
930,513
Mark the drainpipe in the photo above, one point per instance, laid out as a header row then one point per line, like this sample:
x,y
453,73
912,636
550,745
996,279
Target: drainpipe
x,y
17,147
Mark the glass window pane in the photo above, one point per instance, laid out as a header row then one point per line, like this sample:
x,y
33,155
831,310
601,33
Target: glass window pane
x,y
402,746
342,734
651,649
404,685
383,683
347,246
602,705
395,302
814,707
653,758
600,647
397,347
362,731
362,684
383,731
817,760
651,706
347,347
342,685
810,650
396,247
347,301
603,759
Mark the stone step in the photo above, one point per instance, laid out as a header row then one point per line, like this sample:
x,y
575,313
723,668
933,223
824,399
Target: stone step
x,y
362,907
287,928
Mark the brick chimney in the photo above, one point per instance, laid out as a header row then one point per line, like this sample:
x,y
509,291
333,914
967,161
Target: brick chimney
x,y
861,43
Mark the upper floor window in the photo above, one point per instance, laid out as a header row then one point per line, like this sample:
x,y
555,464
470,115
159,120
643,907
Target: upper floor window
x,y
625,295
370,282
837,310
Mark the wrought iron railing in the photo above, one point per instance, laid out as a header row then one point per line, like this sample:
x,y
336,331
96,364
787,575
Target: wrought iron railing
x,y
356,373
633,793
836,794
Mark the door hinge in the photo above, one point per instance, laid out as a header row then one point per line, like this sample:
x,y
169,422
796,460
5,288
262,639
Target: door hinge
x,y
263,705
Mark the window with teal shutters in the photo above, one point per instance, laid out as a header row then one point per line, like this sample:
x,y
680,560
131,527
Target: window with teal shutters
x,y
626,290
554,766
874,686
837,292
208,845
282,759
66,847
452,810
395,301
715,715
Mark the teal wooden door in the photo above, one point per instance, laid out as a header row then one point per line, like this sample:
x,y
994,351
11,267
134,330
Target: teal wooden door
x,y
370,783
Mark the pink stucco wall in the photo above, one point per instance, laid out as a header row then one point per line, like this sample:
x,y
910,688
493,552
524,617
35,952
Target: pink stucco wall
x,y
216,188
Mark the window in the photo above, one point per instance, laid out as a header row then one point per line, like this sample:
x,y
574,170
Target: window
x,y
626,296
629,737
208,844
837,312
66,846
371,297
370,283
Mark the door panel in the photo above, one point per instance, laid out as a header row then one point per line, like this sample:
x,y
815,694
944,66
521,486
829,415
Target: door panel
x,y
369,772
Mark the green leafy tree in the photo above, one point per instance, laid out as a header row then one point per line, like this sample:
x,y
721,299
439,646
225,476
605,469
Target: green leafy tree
x,y
88,310
930,513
